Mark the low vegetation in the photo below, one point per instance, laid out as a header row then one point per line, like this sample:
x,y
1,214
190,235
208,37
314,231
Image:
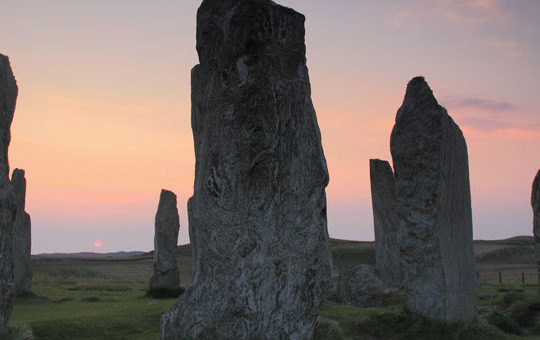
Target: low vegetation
x,y
106,299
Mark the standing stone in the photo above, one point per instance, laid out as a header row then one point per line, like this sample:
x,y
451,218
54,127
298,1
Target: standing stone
x,y
8,98
257,217
165,281
22,236
386,222
432,189
535,202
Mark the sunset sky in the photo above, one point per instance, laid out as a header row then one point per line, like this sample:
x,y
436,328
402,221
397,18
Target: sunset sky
x,y
103,114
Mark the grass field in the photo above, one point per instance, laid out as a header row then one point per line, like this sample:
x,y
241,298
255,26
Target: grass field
x,y
103,298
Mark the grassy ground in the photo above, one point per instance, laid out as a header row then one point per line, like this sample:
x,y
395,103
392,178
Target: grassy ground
x,y
104,299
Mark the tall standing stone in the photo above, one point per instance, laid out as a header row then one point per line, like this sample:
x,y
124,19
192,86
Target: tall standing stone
x,y
165,281
535,202
386,222
22,237
432,189
257,218
8,98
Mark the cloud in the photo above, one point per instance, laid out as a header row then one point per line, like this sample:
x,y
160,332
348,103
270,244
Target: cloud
x,y
458,13
460,102
487,115
479,20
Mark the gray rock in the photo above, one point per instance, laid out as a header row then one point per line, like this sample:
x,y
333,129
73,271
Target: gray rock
x,y
535,202
257,219
360,286
386,222
433,193
22,242
8,98
165,280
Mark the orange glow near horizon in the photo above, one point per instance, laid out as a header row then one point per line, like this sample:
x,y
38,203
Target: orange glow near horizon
x,y
103,122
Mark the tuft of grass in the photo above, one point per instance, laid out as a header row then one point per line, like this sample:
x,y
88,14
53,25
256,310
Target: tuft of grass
x,y
327,329
21,332
503,322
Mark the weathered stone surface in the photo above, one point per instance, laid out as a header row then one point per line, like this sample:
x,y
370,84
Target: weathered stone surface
x,y
360,286
433,193
8,98
257,218
386,222
22,237
535,202
165,280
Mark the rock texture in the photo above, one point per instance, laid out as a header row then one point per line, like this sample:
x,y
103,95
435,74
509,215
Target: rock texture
x,y
535,202
386,222
8,98
360,286
22,238
257,218
165,280
432,189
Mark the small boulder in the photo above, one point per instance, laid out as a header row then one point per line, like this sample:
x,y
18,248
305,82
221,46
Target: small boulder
x,y
360,286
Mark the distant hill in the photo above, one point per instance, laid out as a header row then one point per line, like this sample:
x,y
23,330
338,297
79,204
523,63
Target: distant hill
x,y
90,254
185,249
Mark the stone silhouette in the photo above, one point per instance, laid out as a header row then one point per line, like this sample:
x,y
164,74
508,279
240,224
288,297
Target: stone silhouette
x,y
535,202
165,281
22,241
8,98
360,286
386,222
257,218
433,193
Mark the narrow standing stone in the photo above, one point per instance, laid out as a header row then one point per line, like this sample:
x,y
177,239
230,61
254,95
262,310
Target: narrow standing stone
x,y
22,237
8,98
165,281
386,222
257,217
535,202
432,189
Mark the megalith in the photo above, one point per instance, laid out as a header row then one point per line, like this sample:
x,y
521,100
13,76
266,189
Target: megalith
x,y
535,202
22,236
257,218
386,222
433,194
165,280
8,98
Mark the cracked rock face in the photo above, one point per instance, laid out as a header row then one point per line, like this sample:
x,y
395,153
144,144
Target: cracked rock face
x,y
8,98
432,189
535,202
166,276
386,222
22,236
360,286
257,218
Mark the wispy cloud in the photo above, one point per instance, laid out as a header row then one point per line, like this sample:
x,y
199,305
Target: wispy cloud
x,y
487,115
481,20
458,13
460,102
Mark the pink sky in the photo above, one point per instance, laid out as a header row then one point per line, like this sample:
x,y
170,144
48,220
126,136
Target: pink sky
x,y
103,114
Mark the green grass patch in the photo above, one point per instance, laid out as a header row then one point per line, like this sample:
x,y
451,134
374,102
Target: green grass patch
x,y
346,256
